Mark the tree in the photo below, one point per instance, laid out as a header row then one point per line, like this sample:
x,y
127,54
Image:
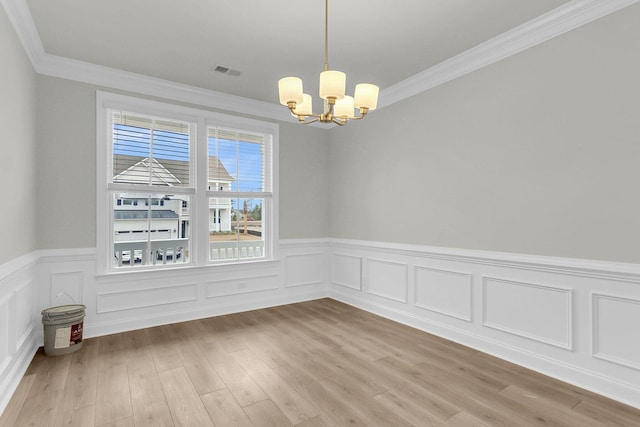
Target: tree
x,y
256,212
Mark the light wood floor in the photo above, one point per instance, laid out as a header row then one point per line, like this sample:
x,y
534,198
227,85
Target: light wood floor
x,y
319,363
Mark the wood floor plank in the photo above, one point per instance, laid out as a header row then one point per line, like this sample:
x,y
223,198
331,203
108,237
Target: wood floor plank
x,y
416,406
331,406
164,343
9,416
464,419
81,386
606,414
80,417
149,405
239,383
481,406
224,410
318,421
225,330
186,407
122,422
42,404
203,376
367,408
138,351
553,413
266,414
113,398
295,407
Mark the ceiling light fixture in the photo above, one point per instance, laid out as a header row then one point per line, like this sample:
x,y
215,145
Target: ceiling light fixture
x,y
338,108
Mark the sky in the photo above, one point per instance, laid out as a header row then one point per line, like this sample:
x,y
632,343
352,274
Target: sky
x,y
243,160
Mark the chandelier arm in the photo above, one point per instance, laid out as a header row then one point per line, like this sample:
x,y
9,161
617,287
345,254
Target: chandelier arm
x,y
363,113
292,107
305,122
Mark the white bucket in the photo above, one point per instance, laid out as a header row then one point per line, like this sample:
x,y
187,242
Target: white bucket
x,y
63,329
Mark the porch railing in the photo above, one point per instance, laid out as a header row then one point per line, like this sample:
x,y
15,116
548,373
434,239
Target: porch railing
x,y
169,251
236,250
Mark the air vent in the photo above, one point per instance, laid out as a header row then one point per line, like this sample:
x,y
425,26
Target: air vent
x,y
226,70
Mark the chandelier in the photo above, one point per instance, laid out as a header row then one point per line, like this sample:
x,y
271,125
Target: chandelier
x,y
338,107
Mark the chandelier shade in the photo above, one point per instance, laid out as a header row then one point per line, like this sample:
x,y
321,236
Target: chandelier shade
x,y
339,107
290,89
332,84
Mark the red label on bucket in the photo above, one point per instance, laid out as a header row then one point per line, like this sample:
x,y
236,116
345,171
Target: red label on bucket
x,y
76,334
68,336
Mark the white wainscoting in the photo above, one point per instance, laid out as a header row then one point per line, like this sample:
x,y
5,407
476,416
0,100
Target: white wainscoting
x,y
575,320
122,302
18,317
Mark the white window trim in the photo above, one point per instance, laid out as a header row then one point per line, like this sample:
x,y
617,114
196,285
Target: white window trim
x,y
201,119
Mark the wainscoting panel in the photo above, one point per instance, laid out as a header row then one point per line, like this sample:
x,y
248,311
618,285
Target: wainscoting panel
x,y
541,313
346,270
245,285
109,302
615,330
387,279
304,269
443,291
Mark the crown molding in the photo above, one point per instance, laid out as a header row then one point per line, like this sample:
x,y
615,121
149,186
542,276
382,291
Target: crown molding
x,y
99,75
545,27
22,21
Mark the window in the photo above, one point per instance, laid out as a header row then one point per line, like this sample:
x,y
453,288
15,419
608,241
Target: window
x,y
182,187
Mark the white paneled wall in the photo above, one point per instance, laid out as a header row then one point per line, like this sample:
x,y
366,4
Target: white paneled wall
x,y
575,320
122,302
18,318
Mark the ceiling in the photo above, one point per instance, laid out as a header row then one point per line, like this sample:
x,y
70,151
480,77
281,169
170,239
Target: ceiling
x,y
181,41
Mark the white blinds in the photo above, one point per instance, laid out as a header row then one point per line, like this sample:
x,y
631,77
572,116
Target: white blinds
x,y
150,151
240,158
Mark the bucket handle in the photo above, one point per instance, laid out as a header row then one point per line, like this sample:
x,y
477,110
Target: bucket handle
x,y
69,296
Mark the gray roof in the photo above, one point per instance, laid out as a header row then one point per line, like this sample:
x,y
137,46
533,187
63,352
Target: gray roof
x,y
177,168
144,214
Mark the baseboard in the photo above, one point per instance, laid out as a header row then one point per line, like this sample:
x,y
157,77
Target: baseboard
x,y
133,323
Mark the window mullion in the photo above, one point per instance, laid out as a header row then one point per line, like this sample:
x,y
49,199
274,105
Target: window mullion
x,y
200,233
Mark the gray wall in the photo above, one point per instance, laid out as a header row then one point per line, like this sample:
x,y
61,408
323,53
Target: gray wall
x,y
67,162
17,146
536,154
304,182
